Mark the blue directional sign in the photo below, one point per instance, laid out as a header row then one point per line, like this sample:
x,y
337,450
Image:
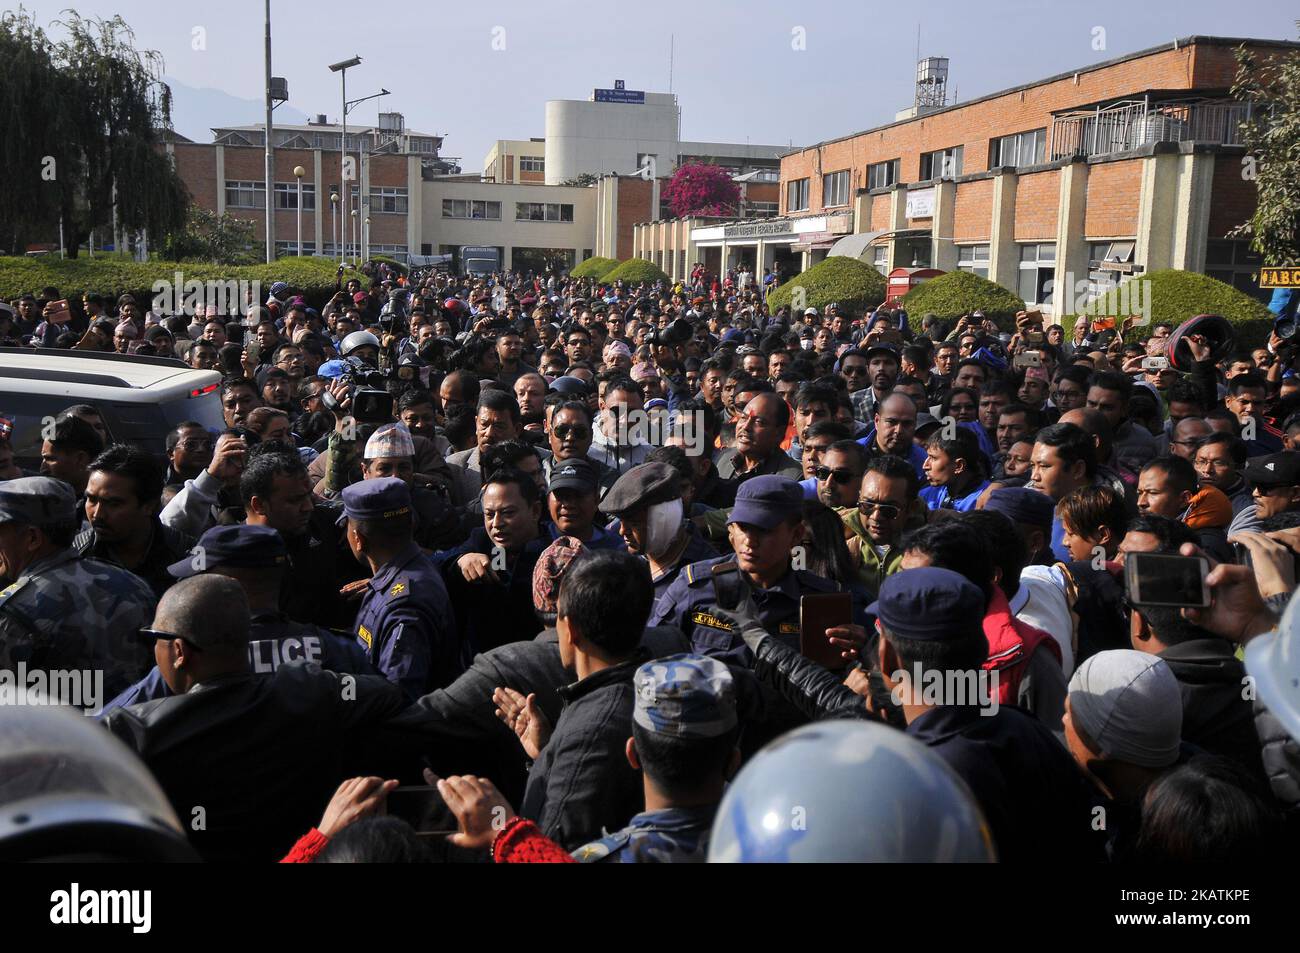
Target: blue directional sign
x,y
620,96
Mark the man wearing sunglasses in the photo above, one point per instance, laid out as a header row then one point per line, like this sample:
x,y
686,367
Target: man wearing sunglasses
x,y
886,503
839,475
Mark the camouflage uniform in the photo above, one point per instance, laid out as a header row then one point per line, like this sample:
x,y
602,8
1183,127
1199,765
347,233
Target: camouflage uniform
x,y
71,613
692,699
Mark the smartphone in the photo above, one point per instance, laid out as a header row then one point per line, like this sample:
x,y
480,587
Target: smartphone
x,y
817,614
423,808
1104,324
1027,359
1157,579
1155,363
1034,337
254,351
61,312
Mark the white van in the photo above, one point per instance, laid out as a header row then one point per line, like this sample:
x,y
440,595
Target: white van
x,y
140,398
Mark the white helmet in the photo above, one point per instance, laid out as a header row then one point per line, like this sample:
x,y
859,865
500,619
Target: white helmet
x,y
358,339
1273,661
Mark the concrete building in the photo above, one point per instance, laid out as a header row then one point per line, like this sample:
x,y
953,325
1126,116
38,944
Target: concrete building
x,y
1057,189
516,162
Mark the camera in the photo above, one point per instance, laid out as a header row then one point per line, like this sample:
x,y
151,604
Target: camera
x,y
679,332
371,402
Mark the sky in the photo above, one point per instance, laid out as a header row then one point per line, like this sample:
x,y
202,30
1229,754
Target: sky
x,y
775,73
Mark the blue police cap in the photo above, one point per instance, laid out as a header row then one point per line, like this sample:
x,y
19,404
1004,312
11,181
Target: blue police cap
x,y
686,696
1020,504
929,604
378,499
767,501
239,547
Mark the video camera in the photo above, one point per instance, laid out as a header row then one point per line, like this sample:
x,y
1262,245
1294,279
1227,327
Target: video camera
x,y
371,402
679,332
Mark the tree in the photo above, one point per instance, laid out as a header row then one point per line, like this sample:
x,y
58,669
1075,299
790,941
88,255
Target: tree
x,y
701,189
220,239
1273,86
582,180
84,122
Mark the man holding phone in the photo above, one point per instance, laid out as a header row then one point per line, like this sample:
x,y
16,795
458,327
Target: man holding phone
x,y
766,529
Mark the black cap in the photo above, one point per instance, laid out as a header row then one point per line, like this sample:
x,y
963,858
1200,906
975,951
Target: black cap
x,y
929,604
642,486
1274,469
574,474
239,547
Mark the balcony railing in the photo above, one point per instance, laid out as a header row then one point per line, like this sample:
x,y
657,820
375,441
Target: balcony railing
x,y
1131,125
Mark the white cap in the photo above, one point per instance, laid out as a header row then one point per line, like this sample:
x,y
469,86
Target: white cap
x,y
1128,703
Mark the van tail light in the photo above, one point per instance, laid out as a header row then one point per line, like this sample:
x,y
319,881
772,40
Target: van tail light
x,y
200,391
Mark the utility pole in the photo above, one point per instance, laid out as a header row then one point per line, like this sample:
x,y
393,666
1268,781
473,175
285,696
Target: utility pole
x,y
270,168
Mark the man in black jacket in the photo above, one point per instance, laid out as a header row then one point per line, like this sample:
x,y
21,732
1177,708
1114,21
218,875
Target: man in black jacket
x,y
581,783
248,761
1037,802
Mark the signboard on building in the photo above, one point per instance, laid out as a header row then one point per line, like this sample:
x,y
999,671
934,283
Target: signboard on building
x,y
1279,277
620,96
920,203
757,230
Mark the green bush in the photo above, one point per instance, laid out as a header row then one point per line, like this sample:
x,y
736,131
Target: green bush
x,y
1171,297
856,285
311,277
393,263
636,271
959,292
596,268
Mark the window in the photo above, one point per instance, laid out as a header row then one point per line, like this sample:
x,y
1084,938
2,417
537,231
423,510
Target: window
x,y
880,258
291,248
1037,267
539,260
286,196
796,195
245,194
882,175
1108,265
392,251
973,258
532,164
471,208
1024,148
943,164
835,189
762,209
543,212
391,201
1233,262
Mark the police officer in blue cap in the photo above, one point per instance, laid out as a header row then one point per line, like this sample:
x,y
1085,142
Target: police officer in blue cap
x,y
930,657
256,557
405,622
684,715
765,528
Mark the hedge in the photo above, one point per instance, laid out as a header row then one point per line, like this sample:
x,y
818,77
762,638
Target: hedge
x,y
637,271
951,295
596,268
856,285
1171,297
311,277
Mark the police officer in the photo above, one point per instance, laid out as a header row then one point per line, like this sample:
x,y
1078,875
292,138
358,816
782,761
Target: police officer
x,y
648,503
765,527
257,558
405,622
684,713
59,611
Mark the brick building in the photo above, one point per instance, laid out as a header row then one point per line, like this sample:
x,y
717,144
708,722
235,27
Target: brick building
x,y
1071,182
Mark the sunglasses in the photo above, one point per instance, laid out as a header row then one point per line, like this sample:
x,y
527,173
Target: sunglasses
x,y
839,476
564,431
156,634
887,510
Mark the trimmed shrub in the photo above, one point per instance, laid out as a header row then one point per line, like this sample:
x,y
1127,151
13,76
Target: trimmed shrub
x,y
637,271
856,285
596,267
959,292
1171,297
311,277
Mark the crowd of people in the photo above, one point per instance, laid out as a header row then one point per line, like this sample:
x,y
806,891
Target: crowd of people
x,y
520,569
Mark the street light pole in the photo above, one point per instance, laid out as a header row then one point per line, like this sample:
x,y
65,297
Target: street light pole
x,y
270,186
342,69
365,240
298,173
334,217
354,229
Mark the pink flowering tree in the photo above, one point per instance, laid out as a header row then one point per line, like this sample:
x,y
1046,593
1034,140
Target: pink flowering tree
x,y
699,189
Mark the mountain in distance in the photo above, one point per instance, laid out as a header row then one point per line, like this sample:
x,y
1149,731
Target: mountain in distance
x,y
196,111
